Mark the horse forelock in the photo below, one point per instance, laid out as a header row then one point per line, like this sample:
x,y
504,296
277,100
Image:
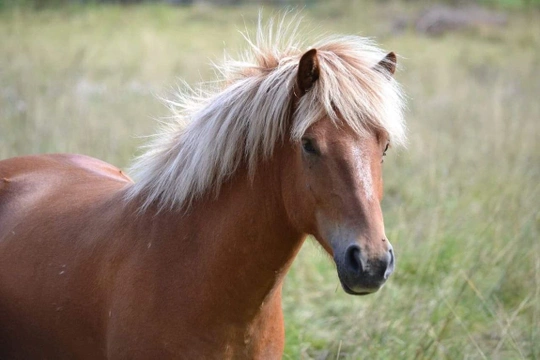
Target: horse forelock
x,y
241,118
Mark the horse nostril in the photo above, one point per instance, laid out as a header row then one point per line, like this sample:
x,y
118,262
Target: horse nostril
x,y
353,259
390,264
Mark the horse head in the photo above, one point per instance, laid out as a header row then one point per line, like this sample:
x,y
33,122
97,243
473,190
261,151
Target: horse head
x,y
335,188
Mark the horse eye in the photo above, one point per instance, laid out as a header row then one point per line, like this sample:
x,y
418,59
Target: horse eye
x,y
307,145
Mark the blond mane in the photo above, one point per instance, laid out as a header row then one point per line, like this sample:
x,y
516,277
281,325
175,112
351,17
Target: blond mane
x,y
240,118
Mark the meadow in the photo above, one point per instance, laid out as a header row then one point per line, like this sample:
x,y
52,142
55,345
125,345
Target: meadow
x,y
461,201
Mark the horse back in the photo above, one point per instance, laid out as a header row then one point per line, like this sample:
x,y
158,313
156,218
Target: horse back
x,y
28,183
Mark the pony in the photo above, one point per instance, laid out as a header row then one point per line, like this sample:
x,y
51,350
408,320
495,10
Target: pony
x,y
189,260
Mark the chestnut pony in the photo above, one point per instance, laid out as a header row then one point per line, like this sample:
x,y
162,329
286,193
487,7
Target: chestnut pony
x,y
189,261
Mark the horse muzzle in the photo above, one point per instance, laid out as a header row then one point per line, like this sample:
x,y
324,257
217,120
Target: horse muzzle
x,y
360,275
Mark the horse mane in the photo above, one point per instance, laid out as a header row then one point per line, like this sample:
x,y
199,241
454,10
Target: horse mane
x,y
240,118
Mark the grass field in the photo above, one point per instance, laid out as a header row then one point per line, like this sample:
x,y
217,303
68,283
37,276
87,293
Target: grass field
x,y
462,201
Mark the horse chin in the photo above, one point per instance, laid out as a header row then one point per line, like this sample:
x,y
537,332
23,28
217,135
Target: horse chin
x,y
361,292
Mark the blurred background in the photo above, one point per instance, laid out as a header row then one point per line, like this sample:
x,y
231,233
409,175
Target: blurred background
x,y
462,200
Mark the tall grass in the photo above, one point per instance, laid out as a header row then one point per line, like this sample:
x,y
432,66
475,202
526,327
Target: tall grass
x,y
462,201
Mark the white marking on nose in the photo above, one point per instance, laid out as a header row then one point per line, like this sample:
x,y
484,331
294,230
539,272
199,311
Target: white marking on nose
x,y
363,171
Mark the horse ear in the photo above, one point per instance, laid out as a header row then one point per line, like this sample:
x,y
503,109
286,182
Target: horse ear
x,y
388,64
308,71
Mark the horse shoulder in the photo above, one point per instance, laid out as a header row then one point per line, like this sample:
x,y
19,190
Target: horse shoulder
x,y
58,215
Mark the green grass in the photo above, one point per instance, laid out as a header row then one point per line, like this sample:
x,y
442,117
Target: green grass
x,y
462,201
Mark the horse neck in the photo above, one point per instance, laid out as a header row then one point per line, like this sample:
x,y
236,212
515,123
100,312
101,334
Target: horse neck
x,y
238,245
